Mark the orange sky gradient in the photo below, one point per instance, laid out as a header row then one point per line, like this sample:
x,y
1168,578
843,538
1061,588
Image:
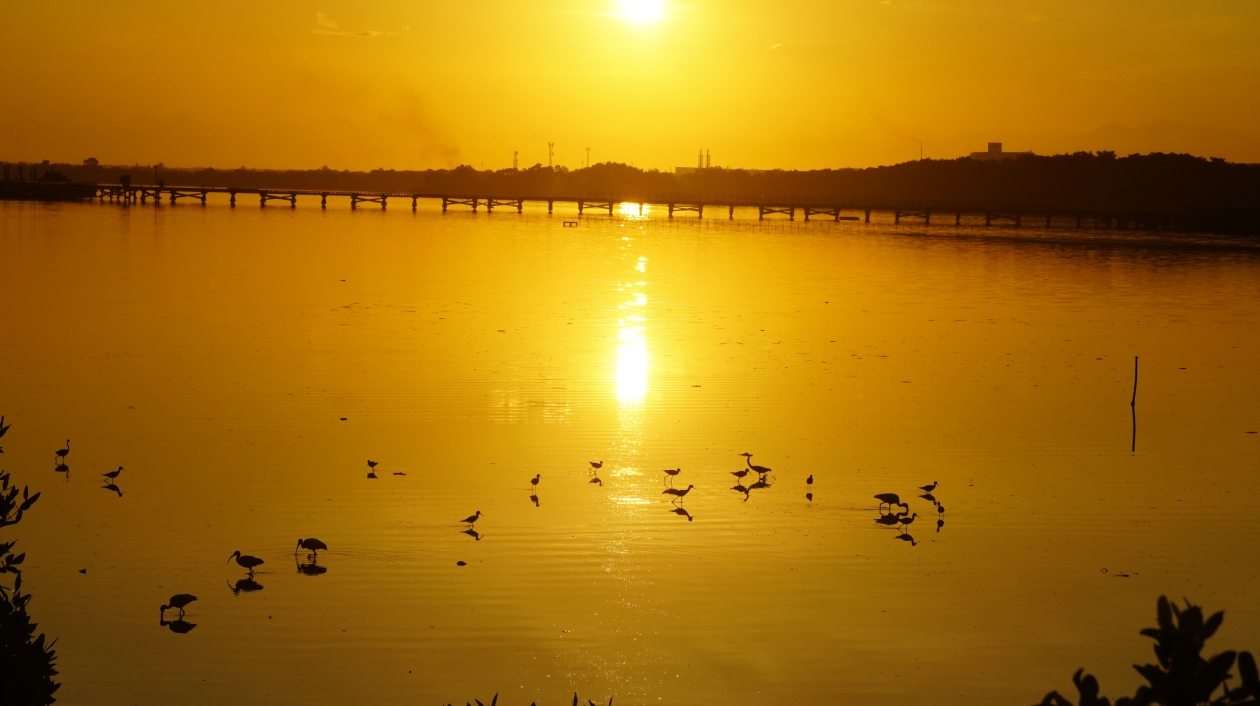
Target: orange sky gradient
x,y
796,84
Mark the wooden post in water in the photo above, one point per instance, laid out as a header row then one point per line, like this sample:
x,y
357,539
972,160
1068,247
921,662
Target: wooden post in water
x,y
1133,402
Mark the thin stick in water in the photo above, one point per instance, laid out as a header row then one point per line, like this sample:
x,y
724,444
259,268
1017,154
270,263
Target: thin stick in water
x,y
1133,402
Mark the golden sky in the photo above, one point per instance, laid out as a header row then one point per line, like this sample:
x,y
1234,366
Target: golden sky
x,y
793,83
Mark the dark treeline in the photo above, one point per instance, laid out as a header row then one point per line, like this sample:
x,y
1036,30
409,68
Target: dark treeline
x,y
1084,180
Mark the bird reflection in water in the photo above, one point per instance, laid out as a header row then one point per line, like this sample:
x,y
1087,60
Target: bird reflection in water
x,y
683,512
63,468
889,520
533,497
473,533
246,585
739,488
309,568
903,535
111,486
597,480
178,626
940,517
809,487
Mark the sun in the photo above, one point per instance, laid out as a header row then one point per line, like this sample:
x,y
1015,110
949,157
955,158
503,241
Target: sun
x,y
641,11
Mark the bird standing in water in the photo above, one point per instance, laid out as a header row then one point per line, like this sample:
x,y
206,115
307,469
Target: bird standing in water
x,y
371,469
740,474
759,470
62,453
929,488
311,545
810,481
471,519
671,472
907,520
247,561
113,474
534,481
178,601
678,493
890,499
596,464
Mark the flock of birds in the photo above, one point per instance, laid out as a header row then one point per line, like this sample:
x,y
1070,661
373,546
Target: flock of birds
x,y
180,601
899,521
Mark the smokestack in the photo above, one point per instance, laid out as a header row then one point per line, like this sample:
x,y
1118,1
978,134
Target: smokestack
x,y
708,162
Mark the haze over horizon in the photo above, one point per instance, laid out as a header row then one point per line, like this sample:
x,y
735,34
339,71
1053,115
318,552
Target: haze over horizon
x,y
802,84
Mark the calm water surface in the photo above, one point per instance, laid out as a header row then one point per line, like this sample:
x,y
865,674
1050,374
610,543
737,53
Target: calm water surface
x,y
215,352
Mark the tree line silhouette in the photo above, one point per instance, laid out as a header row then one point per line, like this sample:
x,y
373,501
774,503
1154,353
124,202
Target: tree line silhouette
x,y
1084,180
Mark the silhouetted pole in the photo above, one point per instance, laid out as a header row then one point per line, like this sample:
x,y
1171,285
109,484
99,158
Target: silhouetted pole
x,y
1133,402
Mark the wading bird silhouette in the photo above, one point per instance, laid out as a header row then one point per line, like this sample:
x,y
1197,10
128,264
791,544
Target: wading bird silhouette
x,y
534,481
62,453
907,520
596,464
890,499
471,519
929,488
678,493
759,470
311,545
113,474
371,469
741,473
247,561
670,473
178,601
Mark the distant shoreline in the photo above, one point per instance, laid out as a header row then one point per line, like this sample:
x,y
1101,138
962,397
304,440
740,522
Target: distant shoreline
x,y
1224,195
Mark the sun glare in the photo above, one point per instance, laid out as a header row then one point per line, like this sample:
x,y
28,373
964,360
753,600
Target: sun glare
x,y
641,11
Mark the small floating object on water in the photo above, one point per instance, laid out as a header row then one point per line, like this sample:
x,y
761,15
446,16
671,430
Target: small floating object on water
x,y
461,563
399,473
83,571
343,419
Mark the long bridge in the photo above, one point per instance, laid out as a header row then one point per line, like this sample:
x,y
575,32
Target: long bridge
x,y
837,209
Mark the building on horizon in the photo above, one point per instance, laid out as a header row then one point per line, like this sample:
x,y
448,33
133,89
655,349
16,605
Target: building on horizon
x,y
995,152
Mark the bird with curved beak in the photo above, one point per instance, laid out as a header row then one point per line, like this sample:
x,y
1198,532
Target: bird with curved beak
x,y
178,601
247,561
311,545
759,470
